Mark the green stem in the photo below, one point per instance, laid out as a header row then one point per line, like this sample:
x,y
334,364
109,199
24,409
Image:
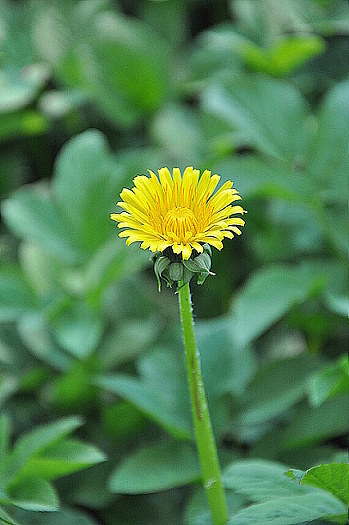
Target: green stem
x,y
205,442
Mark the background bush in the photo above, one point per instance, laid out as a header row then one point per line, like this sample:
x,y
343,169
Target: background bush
x,y
92,93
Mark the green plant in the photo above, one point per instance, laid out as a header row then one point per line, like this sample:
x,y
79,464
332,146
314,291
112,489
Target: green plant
x,y
92,93
37,458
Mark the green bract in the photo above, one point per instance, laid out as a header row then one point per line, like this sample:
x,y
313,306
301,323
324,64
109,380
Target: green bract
x,y
172,269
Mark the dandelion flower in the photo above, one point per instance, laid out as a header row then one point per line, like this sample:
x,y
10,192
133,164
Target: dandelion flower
x,y
179,212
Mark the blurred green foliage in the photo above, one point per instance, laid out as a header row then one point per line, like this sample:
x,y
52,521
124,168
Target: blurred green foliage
x,y
93,92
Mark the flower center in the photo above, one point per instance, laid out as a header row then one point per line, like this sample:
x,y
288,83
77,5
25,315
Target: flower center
x,y
180,224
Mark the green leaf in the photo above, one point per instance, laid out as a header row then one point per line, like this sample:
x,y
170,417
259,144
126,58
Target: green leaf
x,y
16,296
121,420
268,177
34,494
292,510
72,390
323,16
5,519
9,384
5,434
161,391
294,474
283,57
167,410
63,458
274,130
127,340
87,493
4,438
212,57
156,468
34,331
43,270
267,297
112,262
277,387
74,222
39,439
136,62
62,517
313,425
333,379
85,186
177,129
119,63
336,303
168,18
22,123
59,104
226,367
78,329
309,425
30,213
16,46
260,480
18,87
333,477
328,157
283,502
198,511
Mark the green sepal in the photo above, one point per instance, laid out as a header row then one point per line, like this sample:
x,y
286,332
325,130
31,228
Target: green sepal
x,y
178,270
187,275
207,249
160,265
200,265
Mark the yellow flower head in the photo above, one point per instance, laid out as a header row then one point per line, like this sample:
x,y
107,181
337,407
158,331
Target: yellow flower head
x,y
179,212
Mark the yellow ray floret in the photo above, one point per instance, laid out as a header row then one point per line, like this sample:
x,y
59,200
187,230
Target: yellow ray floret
x,y
181,212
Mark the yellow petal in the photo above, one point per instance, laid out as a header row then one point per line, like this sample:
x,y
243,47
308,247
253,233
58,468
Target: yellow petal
x,y
165,178
198,247
177,178
212,184
203,184
186,251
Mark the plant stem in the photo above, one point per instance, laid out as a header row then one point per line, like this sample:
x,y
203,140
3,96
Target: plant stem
x,y
203,428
